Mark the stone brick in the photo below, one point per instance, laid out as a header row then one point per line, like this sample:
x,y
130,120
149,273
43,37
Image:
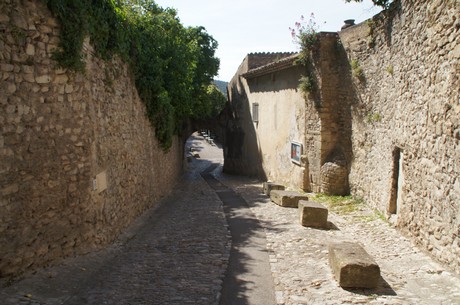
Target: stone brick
x,y
11,88
6,67
352,266
61,78
287,198
30,49
44,156
29,78
456,52
4,18
312,214
69,88
269,186
43,79
10,189
45,29
396,151
10,109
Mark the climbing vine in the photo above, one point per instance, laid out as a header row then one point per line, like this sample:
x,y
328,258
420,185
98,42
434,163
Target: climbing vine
x,y
173,65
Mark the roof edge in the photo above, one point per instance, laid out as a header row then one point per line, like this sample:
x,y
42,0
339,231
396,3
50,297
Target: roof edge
x,y
278,65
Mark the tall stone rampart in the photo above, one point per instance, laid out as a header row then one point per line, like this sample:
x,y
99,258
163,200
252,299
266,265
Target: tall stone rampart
x,y
406,121
78,157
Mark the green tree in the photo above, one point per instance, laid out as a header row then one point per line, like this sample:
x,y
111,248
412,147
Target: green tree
x,y
383,3
172,65
206,67
211,102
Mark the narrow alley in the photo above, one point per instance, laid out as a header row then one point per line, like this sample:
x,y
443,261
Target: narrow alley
x,y
178,253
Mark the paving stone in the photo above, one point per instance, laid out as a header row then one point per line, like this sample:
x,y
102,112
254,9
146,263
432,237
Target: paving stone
x,y
312,214
352,266
269,186
287,198
299,257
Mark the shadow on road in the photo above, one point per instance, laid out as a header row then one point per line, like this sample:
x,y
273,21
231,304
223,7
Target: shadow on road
x,y
248,279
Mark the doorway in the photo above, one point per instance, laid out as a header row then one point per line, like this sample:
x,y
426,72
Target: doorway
x,y
396,181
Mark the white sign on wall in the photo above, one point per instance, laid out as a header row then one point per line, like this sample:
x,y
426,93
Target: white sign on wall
x,y
296,152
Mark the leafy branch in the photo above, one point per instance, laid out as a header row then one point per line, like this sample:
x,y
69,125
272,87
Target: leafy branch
x,y
172,65
382,3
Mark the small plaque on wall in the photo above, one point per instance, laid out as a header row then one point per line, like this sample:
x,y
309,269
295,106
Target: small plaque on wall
x,y
296,152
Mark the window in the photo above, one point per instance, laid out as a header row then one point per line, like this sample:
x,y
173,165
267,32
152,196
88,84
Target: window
x,y
255,112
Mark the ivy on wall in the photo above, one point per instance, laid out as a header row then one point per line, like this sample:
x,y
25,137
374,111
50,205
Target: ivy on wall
x,y
173,65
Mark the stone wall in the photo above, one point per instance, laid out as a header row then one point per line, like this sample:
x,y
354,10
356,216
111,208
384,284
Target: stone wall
x,y
241,153
406,120
328,117
320,120
78,157
265,146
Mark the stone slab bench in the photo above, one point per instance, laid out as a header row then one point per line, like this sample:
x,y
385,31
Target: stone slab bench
x,y
312,214
352,266
270,186
287,198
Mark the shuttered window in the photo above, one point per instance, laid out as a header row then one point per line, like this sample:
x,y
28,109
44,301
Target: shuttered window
x,y
255,112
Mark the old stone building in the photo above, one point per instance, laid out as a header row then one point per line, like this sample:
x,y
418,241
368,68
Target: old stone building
x,y
276,120
382,121
78,158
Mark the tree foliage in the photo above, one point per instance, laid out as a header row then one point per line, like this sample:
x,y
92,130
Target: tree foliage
x,y
173,65
382,3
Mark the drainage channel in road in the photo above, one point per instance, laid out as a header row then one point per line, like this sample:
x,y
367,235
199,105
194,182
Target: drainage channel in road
x,y
248,279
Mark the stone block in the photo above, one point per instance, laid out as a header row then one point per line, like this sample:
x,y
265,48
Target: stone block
x,y
352,266
312,214
269,186
43,79
30,49
6,67
287,198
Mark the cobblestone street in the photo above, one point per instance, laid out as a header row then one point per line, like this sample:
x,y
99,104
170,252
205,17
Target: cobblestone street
x,y
178,253
299,257
174,254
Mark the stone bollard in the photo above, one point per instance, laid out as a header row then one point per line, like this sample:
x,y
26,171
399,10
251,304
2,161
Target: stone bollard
x,y
270,186
352,266
312,214
287,198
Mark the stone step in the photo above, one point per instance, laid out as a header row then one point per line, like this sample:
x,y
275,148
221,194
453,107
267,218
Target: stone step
x,y
287,198
270,186
312,214
352,266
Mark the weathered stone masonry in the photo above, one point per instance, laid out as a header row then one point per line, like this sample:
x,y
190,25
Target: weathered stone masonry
x,y
384,118
406,124
78,157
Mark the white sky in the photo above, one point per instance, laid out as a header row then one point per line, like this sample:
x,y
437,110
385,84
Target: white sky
x,y
245,26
